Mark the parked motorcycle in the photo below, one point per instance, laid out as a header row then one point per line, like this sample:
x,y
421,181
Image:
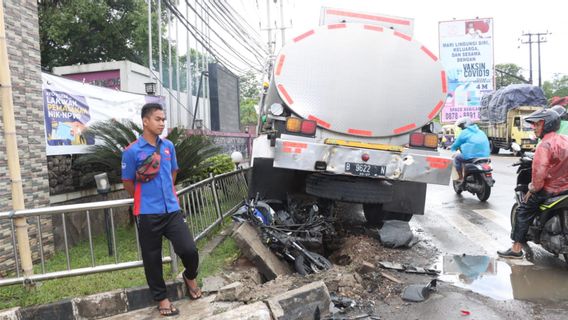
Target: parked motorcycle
x,y
478,178
549,229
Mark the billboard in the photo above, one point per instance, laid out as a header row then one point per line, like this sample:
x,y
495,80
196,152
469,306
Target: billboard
x,y
70,107
466,51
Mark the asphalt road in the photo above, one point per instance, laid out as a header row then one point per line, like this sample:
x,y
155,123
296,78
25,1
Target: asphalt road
x,y
461,224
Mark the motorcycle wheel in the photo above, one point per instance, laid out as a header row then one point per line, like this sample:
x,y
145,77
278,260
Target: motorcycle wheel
x,y
304,266
514,213
485,192
456,188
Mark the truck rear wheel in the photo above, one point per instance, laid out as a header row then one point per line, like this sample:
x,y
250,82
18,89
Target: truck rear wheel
x,y
349,189
375,214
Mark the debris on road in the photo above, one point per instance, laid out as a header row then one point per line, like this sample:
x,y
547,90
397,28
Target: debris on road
x,y
408,268
396,234
417,292
391,278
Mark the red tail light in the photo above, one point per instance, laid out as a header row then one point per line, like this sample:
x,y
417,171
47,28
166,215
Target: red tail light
x,y
486,166
417,139
308,127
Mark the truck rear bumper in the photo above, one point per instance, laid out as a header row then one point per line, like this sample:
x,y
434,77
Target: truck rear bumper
x,y
409,165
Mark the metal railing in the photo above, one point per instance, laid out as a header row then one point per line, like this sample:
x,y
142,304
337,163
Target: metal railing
x,y
206,203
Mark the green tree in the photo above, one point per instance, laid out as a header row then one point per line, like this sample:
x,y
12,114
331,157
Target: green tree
x,y
557,87
191,151
508,73
249,88
87,31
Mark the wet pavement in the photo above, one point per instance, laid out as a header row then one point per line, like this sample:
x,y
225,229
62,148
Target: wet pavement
x,y
467,233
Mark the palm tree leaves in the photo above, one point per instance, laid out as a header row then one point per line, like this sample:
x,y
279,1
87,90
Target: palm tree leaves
x,y
114,136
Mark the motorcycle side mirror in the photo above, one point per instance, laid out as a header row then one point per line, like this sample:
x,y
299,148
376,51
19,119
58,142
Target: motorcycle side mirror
x,y
515,147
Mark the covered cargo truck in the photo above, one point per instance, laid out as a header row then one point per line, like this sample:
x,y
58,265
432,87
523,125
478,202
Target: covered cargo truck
x,y
347,117
502,116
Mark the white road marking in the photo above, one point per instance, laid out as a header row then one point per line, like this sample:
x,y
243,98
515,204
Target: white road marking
x,y
492,215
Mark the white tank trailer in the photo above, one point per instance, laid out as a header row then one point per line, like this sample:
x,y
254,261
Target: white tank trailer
x,y
347,117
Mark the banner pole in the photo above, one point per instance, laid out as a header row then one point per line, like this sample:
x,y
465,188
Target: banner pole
x,y
12,151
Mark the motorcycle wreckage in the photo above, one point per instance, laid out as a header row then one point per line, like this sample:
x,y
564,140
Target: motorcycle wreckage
x,y
288,233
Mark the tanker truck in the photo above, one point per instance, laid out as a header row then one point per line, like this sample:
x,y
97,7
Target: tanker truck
x,y
347,117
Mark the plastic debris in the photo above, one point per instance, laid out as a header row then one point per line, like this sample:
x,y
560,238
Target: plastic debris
x,y
418,292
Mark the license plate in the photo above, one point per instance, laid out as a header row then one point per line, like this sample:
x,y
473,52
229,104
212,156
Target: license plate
x,y
366,170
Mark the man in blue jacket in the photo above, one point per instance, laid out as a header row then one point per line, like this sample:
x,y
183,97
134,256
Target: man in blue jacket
x,y
472,142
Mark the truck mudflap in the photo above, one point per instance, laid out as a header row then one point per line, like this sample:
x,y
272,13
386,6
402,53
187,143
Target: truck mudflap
x,y
408,165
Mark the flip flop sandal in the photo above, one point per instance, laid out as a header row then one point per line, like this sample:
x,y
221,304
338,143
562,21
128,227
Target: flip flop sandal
x,y
173,311
193,293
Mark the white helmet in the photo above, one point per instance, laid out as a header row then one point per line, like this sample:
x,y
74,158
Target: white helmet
x,y
464,122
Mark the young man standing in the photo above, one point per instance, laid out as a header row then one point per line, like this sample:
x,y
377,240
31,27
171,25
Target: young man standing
x,y
156,207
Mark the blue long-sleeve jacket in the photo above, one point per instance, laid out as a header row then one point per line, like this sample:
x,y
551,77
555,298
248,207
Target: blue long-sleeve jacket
x,y
472,142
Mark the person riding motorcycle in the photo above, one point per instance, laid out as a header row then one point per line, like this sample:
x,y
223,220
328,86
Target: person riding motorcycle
x,y
472,142
549,178
561,110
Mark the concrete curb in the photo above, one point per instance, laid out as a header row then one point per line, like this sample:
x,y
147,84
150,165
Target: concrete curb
x,y
95,306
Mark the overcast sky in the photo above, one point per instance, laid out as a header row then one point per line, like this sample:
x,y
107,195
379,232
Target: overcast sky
x,y
511,19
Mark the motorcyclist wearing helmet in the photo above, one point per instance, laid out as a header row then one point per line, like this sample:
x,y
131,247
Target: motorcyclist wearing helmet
x,y
472,142
561,110
549,178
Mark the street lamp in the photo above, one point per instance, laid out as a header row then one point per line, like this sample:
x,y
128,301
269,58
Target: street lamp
x,y
237,158
150,88
103,188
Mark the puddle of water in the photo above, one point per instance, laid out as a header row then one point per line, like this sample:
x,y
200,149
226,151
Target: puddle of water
x,y
498,280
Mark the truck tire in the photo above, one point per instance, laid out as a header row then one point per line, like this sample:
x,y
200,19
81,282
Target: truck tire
x,y
494,149
375,215
349,189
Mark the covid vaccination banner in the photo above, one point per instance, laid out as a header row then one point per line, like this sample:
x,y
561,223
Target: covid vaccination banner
x,y
70,107
466,51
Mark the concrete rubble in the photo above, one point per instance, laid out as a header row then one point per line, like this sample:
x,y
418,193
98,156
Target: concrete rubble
x,y
252,247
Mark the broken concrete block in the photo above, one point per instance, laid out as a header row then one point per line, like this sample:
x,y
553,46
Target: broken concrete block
x,y
213,284
301,303
251,245
230,292
101,305
9,314
255,311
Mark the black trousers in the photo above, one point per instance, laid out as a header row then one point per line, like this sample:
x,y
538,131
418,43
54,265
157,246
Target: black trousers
x,y
151,228
526,213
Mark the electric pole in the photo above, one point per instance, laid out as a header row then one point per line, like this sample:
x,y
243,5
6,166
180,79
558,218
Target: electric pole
x,y
540,38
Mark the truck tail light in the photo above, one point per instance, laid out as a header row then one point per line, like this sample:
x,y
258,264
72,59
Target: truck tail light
x,y
304,127
424,140
431,140
293,125
417,139
308,127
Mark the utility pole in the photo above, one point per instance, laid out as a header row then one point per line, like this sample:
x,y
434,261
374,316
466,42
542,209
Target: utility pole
x,y
12,151
540,38
282,28
529,42
269,29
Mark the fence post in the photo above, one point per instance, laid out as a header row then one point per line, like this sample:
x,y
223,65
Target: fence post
x,y
216,197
